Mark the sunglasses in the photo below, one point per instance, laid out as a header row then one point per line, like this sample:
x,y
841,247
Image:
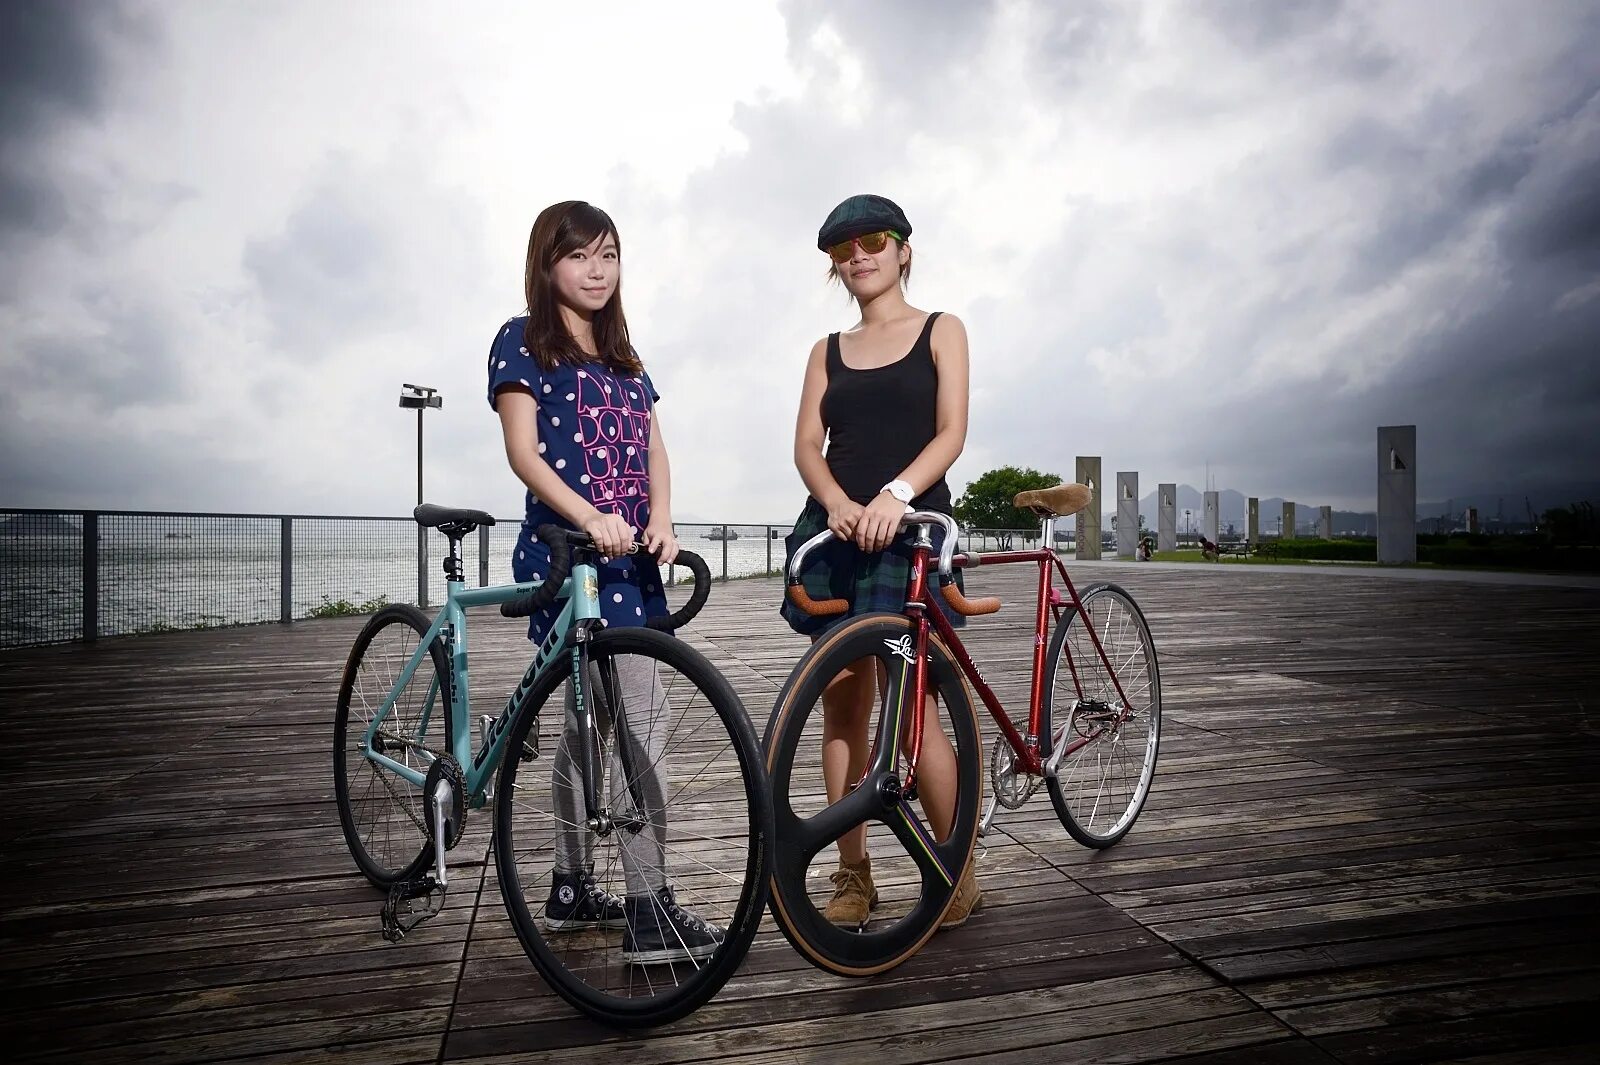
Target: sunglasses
x,y
871,243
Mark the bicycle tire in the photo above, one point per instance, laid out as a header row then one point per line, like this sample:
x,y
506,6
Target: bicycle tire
x,y
602,993
837,950
1112,761
391,859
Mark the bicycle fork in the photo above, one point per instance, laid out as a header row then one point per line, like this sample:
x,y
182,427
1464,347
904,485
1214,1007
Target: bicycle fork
x,y
605,696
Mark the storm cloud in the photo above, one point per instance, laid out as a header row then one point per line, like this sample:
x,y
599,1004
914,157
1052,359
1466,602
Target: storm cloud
x,y
1230,236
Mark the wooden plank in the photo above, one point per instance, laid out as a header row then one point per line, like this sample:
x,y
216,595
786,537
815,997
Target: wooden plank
x,y
1359,831
1553,1027
1470,1001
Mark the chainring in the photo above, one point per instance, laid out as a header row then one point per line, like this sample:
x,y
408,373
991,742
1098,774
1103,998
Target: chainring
x,y
446,768
1010,789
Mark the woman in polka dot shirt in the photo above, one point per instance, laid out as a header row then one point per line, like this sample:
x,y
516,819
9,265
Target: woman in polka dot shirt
x,y
577,412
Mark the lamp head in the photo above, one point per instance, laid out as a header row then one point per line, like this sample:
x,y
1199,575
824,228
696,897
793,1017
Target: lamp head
x,y
420,397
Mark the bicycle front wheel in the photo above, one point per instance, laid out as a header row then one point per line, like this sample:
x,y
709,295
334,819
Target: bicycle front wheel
x,y
1105,711
639,909
383,814
914,867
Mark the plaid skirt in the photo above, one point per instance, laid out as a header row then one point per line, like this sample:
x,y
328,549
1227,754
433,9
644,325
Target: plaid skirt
x,y
841,570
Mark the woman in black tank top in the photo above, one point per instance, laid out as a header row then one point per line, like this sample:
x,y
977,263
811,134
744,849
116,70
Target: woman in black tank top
x,y
883,415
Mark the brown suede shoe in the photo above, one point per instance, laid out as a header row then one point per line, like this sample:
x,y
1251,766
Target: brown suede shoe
x,y
853,895
969,897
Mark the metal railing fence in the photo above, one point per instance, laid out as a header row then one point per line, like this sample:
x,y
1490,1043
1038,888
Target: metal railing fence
x,y
70,575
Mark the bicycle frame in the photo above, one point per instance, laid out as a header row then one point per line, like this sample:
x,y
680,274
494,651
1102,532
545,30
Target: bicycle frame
x,y
451,623
1033,749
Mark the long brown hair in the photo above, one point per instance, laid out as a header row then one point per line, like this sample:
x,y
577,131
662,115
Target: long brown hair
x,y
561,229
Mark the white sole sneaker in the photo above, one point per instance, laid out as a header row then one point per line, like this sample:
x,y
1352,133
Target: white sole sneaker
x,y
552,924
669,955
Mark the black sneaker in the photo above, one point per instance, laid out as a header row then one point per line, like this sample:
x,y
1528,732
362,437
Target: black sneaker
x,y
577,904
661,931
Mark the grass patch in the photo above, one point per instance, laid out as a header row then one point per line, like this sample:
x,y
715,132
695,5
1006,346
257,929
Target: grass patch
x,y
167,626
1553,562
1236,560
344,608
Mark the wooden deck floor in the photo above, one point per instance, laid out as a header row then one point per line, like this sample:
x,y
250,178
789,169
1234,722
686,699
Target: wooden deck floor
x,y
1372,838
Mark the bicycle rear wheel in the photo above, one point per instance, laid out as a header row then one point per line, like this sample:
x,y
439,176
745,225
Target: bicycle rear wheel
x,y
641,914
915,873
1107,712
383,815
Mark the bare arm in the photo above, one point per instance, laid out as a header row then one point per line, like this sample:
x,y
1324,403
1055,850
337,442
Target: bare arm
x,y
660,473
949,342
519,426
809,435
658,535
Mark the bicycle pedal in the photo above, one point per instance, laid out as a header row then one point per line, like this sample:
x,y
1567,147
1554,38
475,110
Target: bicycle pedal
x,y
401,913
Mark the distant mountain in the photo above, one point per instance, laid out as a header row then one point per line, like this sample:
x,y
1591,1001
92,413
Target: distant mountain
x,y
1231,508
1502,511
39,525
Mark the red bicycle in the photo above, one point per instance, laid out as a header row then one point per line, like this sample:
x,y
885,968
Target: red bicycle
x,y
1092,736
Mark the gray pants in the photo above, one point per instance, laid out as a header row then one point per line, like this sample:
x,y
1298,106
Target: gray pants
x,y
642,724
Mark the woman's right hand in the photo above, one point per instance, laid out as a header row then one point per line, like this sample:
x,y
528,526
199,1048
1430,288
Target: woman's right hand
x,y
843,516
610,533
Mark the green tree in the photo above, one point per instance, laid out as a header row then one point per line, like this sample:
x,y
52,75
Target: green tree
x,y
986,504
1574,524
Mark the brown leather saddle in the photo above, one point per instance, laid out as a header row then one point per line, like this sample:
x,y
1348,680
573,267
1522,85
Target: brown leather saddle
x,y
1059,502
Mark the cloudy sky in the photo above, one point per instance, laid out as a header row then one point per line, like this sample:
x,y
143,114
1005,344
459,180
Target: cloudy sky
x,y
1235,233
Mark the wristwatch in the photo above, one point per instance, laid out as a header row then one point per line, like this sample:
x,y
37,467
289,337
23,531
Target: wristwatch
x,y
900,490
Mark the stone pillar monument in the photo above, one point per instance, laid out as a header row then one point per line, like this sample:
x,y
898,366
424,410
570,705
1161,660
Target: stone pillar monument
x,y
1252,520
1397,493
1088,530
1288,521
1325,522
1127,514
1211,524
1167,517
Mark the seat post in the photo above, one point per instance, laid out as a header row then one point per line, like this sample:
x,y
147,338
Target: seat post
x,y
453,570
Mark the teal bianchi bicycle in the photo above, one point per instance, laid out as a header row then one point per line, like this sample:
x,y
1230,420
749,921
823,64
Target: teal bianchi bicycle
x,y
631,811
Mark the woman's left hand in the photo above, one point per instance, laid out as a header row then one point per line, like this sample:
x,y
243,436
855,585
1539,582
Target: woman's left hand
x,y
879,522
659,539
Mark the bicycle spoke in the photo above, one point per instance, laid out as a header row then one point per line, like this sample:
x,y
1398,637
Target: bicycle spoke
x,y
383,814
693,859
856,808
1101,786
920,844
672,789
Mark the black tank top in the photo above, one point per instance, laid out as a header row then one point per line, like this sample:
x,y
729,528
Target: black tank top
x,y
879,420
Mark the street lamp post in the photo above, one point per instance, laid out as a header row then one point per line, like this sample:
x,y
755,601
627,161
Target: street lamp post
x,y
420,398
